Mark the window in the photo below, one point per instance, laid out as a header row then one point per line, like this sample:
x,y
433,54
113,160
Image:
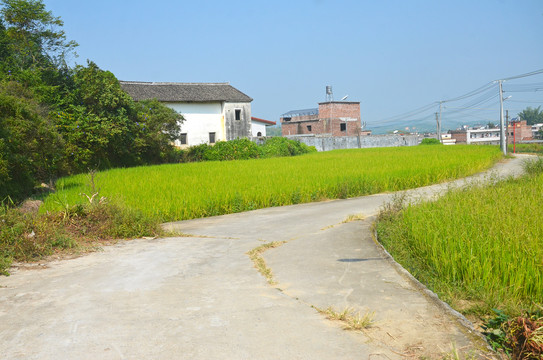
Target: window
x,y
308,127
183,138
259,134
343,127
212,138
238,114
286,118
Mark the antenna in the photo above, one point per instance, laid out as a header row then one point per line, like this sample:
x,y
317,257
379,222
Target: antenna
x,y
329,94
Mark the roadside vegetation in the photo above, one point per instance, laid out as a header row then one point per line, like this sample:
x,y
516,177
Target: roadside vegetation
x,y
480,249
526,148
193,190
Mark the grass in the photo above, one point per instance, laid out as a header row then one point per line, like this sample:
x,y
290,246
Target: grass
x,y
526,148
478,248
193,190
256,256
352,320
76,229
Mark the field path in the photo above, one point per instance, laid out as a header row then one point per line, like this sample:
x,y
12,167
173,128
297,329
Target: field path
x,y
199,297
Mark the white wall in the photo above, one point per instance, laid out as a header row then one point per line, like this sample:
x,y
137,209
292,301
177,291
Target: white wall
x,y
256,127
200,120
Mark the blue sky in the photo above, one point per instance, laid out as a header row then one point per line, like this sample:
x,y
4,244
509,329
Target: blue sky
x,y
393,56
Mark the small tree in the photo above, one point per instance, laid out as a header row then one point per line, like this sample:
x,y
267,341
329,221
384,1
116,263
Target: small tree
x,y
532,115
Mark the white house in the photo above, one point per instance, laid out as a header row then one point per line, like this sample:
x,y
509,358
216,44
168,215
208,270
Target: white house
x,y
212,111
258,126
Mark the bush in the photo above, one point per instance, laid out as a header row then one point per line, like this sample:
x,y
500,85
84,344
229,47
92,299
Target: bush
x,y
280,146
430,141
28,237
239,149
243,149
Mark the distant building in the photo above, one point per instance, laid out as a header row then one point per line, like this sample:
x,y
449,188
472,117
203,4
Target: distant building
x,y
258,126
212,111
333,118
519,133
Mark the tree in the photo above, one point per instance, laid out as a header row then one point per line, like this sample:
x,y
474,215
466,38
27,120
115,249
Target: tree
x,y
34,36
532,115
30,148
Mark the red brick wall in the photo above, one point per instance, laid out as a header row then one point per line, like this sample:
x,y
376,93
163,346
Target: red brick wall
x,y
328,122
460,136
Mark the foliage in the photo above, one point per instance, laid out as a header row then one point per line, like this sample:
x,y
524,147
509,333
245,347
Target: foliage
x,y
191,190
280,146
532,115
243,149
56,120
478,248
28,237
30,147
104,128
240,149
526,148
520,337
430,141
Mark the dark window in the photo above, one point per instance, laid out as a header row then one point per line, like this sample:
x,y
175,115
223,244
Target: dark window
x,y
286,119
183,139
238,114
308,127
211,137
343,127
259,134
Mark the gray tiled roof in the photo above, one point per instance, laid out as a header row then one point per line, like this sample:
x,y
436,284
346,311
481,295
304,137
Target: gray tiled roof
x,y
183,92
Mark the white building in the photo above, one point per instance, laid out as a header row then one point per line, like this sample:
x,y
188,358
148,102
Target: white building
x,y
212,111
258,126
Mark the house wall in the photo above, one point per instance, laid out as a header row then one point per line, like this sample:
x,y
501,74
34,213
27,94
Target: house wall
x,y
200,120
257,127
237,128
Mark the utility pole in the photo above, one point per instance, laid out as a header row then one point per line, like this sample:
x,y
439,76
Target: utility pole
x,y
503,144
439,124
506,127
437,127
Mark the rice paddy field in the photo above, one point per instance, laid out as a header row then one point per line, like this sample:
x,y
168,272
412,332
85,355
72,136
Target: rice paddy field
x,y
479,249
193,190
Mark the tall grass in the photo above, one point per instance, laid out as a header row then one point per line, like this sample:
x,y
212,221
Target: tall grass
x,y
192,190
535,148
483,245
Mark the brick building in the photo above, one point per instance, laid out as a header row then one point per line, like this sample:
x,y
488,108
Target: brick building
x,y
517,131
333,118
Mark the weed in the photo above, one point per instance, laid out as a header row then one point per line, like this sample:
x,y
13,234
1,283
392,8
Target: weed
x,y
351,319
256,256
534,166
351,218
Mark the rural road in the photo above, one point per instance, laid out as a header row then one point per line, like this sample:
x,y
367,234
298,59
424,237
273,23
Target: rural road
x,y
199,296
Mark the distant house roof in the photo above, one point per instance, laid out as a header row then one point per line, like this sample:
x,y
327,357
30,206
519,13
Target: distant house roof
x,y
302,112
267,122
183,92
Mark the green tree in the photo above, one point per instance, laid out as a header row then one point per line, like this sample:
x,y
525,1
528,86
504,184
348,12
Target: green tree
x,y
35,38
30,148
532,115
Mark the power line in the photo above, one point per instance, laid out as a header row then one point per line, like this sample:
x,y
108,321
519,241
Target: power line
x,y
536,72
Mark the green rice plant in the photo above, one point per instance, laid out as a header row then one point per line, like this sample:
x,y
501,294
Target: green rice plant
x,y
192,190
535,148
482,245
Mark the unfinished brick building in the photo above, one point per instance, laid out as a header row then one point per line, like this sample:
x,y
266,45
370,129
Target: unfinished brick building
x,y
333,118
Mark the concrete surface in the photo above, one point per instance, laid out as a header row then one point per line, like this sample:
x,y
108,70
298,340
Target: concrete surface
x,y
199,297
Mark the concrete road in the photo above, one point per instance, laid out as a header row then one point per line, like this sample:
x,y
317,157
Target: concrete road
x,y
199,297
